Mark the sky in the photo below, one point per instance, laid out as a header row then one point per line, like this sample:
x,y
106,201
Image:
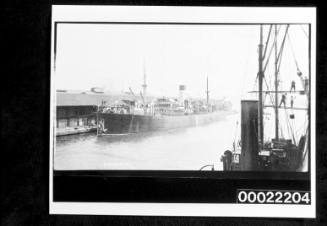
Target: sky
x,y
115,57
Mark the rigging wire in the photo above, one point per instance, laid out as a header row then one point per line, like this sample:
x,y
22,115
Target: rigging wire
x,y
289,123
281,132
265,51
305,145
293,54
292,124
292,131
270,95
255,83
273,103
270,51
269,54
293,127
289,127
304,31
283,42
279,58
302,127
269,77
267,42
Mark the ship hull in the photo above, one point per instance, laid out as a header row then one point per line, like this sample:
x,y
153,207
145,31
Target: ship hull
x,y
128,123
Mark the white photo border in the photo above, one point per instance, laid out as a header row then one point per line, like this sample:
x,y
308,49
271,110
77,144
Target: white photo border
x,y
173,14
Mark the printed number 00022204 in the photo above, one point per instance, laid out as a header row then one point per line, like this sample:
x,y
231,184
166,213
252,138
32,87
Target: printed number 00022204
x,y
273,197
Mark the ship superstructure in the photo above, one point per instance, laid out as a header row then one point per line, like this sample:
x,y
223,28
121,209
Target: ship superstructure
x,y
164,113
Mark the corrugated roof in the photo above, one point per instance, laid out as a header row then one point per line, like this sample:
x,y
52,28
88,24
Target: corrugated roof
x,y
94,99
79,99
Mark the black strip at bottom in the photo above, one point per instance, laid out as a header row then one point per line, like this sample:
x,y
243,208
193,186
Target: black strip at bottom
x,y
90,188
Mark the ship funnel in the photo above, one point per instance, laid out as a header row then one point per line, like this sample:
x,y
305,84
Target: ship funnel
x,y
181,93
249,137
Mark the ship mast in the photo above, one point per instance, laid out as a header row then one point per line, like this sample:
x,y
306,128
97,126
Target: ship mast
x,y
144,85
276,85
260,109
207,92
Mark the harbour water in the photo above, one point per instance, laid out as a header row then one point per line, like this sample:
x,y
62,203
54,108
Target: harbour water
x,y
184,149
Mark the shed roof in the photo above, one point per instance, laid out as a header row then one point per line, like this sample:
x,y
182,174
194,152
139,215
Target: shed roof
x,y
94,99
87,99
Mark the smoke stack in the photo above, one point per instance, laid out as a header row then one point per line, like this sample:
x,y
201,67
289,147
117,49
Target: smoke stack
x,y
181,93
249,127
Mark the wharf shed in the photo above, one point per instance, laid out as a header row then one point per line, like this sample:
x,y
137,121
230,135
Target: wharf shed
x,y
78,109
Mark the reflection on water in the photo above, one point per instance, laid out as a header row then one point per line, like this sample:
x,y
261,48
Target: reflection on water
x,y
185,149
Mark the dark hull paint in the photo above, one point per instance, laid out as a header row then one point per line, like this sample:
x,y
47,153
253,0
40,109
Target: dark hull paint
x,y
127,123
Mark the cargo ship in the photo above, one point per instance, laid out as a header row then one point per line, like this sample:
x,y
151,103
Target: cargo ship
x,y
254,152
137,115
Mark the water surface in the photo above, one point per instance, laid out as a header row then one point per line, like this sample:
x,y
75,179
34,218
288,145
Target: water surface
x,y
184,149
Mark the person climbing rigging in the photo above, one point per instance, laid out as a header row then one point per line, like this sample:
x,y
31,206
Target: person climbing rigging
x,y
306,84
283,100
292,101
293,86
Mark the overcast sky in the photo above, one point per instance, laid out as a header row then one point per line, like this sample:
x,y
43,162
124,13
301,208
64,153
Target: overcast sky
x,y
113,56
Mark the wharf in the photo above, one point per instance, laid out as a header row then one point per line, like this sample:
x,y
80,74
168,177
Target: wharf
x,y
75,130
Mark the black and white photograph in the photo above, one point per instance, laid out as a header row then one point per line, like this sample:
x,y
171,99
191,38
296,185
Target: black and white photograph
x,y
200,90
